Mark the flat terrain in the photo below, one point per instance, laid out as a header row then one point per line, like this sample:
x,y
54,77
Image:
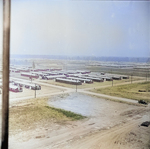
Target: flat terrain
x,y
116,126
130,91
28,94
108,125
94,84
26,115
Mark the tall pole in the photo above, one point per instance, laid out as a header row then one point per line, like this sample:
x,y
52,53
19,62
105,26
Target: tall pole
x,y
76,85
35,90
131,78
5,94
148,75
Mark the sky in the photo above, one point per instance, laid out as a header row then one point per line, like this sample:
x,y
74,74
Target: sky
x,y
79,28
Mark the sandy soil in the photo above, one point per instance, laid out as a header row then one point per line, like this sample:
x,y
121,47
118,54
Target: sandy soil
x,y
117,127
27,93
124,136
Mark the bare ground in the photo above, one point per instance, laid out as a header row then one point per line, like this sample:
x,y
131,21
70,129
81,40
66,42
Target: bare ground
x,y
114,129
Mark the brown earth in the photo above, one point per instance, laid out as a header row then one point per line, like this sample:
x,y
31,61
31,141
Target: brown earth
x,y
119,129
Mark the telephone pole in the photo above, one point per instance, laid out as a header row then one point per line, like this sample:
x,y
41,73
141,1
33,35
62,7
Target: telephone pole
x,y
35,90
5,93
76,85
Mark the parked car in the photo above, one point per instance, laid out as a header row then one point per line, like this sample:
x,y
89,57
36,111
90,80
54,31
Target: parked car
x,y
146,124
142,102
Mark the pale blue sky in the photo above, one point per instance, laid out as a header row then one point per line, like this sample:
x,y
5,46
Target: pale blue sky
x,y
90,28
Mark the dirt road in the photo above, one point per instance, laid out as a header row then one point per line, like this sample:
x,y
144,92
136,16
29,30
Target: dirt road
x,y
86,90
124,136
127,135
55,89
109,97
116,127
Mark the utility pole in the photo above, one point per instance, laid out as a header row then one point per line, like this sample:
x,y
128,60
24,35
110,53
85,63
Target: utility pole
x,y
5,93
76,85
30,79
148,75
131,78
112,81
35,91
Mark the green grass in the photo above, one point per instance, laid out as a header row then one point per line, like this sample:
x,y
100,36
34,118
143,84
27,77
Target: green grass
x,y
128,91
36,112
95,84
68,114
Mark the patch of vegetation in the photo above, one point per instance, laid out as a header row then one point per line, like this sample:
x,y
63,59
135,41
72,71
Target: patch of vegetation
x,y
68,114
130,91
120,101
36,112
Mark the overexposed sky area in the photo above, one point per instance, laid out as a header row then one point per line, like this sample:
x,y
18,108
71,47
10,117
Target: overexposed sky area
x,y
79,28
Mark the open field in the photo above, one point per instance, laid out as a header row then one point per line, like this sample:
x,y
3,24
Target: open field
x,y
125,71
94,121
26,115
112,125
130,91
31,93
94,84
124,136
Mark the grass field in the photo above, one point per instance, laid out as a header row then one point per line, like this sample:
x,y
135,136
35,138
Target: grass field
x,y
130,91
33,112
95,84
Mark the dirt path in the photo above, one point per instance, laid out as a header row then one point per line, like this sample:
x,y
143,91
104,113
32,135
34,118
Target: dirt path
x,y
84,135
42,95
126,136
51,85
96,94
109,97
113,126
91,133
68,90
